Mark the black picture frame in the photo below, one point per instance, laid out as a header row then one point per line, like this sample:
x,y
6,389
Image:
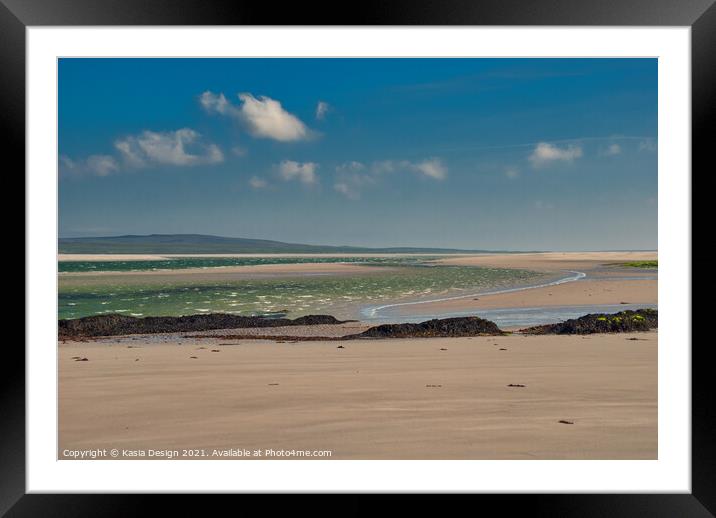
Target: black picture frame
x,y
700,15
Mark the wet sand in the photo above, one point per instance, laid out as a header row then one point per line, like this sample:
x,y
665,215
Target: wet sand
x,y
577,293
551,261
380,399
320,330
224,273
606,282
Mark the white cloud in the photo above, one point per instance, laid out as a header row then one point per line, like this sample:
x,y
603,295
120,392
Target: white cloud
x,y
258,183
383,166
266,118
102,165
347,190
129,153
217,103
432,168
355,176
303,172
97,165
322,109
67,164
613,150
351,185
546,153
263,117
183,147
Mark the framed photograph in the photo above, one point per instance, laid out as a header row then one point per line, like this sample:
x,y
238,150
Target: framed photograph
x,y
420,249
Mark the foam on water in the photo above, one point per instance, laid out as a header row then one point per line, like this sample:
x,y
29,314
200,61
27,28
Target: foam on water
x,y
339,295
179,263
374,312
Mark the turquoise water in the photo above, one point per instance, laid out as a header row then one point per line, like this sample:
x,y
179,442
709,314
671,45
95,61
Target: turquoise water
x,y
179,263
340,295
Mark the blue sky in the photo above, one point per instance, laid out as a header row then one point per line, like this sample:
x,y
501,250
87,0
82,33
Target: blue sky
x,y
518,154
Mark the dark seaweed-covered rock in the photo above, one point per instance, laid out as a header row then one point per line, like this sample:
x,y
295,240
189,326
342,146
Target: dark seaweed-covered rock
x,y
313,320
463,326
113,324
622,322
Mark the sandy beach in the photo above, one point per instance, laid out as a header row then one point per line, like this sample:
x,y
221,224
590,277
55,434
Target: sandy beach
x,y
584,397
397,399
226,273
606,282
583,292
550,261
406,259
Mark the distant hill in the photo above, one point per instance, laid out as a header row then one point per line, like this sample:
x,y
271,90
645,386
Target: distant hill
x,y
202,244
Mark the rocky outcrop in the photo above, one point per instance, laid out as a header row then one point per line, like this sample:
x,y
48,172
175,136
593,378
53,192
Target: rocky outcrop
x,y
445,327
114,324
622,322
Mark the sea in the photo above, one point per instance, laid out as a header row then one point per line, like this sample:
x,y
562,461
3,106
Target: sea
x,y
84,290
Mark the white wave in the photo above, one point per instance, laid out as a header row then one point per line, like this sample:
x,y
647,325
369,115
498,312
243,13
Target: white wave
x,y
372,312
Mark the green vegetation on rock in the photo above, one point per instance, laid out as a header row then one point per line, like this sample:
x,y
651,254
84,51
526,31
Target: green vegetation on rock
x,y
642,264
622,322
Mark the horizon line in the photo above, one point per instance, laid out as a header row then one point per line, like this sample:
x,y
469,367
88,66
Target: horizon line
x,y
357,246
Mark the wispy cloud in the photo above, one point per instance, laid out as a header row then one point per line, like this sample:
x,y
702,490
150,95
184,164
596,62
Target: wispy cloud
x,y
353,177
95,165
217,103
350,167
647,145
612,150
512,173
239,151
351,187
322,109
430,167
262,117
303,172
383,166
545,153
645,142
183,147
257,183
351,180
